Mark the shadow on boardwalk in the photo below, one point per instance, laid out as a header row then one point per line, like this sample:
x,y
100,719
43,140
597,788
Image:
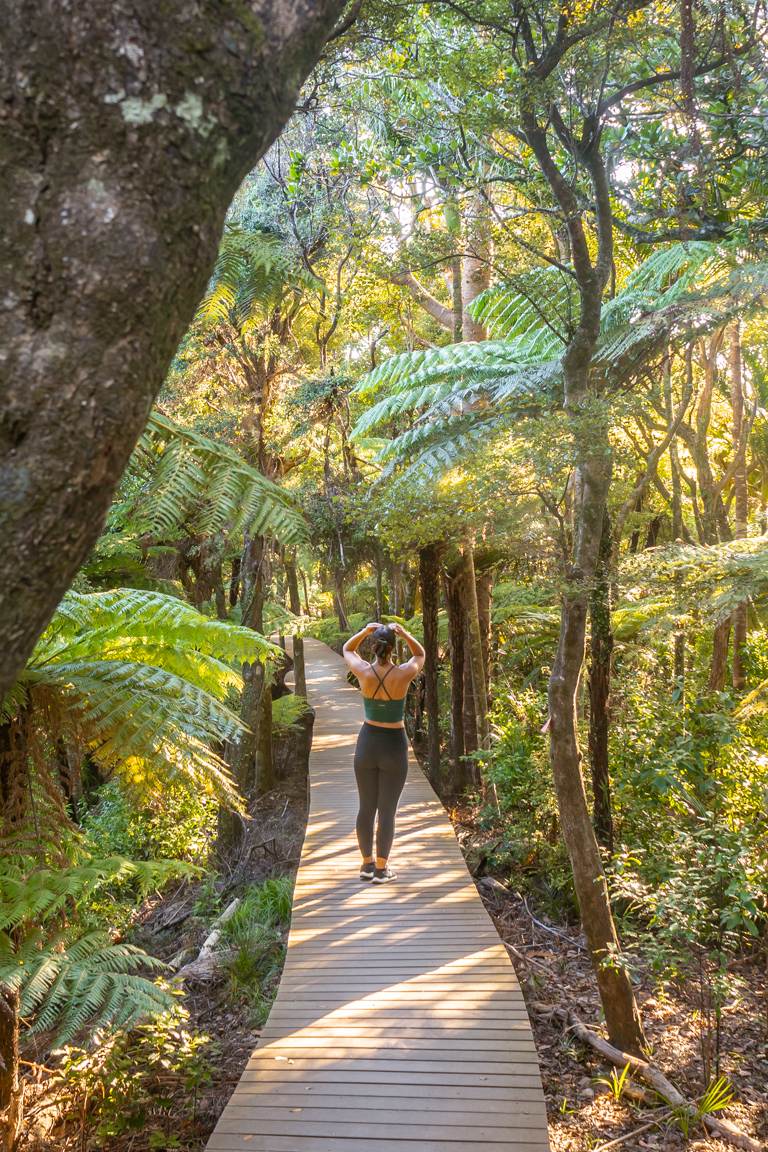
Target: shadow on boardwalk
x,y
399,1021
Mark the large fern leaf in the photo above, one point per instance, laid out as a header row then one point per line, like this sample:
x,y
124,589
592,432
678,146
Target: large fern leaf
x,y
196,486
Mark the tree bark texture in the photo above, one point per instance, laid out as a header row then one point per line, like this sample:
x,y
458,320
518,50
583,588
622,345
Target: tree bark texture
x,y
476,267
125,131
601,650
456,639
740,496
429,577
475,645
299,667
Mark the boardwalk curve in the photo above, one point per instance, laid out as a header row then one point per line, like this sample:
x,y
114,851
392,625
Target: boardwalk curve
x,y
399,1025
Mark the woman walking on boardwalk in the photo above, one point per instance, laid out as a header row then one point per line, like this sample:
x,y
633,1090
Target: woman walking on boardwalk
x,y
381,754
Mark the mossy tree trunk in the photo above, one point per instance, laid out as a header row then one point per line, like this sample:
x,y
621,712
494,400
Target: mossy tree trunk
x,y
120,158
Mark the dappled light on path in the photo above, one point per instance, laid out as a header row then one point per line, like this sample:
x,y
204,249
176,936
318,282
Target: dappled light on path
x,y
399,1025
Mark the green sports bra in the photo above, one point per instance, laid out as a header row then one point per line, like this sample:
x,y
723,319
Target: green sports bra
x,y
387,711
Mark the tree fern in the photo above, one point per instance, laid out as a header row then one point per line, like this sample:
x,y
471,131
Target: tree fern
x,y
679,292
192,485
139,682
70,979
252,273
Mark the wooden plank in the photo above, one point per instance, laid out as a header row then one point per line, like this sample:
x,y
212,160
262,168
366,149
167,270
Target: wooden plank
x,y
323,1096
248,1121
239,1142
399,1024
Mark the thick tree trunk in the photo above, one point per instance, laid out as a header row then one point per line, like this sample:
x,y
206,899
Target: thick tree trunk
x,y
601,650
456,637
429,576
299,669
127,129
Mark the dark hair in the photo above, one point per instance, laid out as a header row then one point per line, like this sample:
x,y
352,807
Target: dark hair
x,y
383,641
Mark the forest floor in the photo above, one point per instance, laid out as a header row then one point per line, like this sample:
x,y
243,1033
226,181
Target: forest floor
x,y
168,1096
554,968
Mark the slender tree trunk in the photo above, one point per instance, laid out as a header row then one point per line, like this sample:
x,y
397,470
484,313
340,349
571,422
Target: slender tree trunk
x,y
234,582
471,738
475,645
621,1013
740,496
10,1089
305,590
112,207
476,270
339,600
429,575
299,668
484,584
457,305
677,525
456,626
601,650
264,768
719,663
379,584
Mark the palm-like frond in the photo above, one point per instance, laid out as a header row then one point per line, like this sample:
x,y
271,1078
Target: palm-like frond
x,y
139,681
193,485
69,979
682,291
540,306
253,271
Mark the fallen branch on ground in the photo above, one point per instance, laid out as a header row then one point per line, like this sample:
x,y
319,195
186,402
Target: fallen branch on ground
x,y
205,963
652,1075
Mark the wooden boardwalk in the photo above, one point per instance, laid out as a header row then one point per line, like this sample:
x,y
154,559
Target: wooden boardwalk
x,y
399,1025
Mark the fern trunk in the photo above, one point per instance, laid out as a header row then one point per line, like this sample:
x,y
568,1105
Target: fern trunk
x,y
456,640
475,646
112,208
9,1055
740,495
429,577
299,667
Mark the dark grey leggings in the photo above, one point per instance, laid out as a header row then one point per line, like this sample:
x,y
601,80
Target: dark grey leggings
x,y
381,766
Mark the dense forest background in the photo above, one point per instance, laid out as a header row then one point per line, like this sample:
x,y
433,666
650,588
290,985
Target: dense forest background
x,y
484,352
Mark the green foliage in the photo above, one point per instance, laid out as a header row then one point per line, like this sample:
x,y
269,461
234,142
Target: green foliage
x,y
192,485
69,979
253,941
287,711
180,824
146,1083
137,681
530,850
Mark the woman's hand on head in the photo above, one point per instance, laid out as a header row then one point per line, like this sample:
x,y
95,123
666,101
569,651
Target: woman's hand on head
x,y
372,626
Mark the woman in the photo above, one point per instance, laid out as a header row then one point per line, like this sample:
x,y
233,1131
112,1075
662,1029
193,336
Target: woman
x,y
381,755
